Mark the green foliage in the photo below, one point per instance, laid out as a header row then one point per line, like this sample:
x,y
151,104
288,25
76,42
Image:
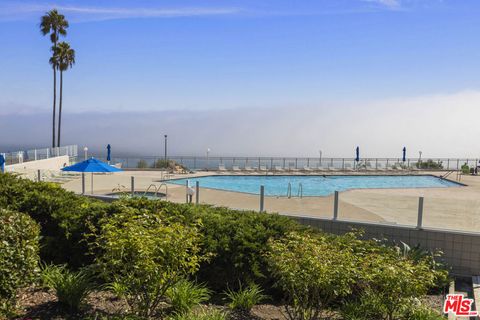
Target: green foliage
x,y
419,312
465,168
71,287
64,217
245,298
235,240
185,295
142,164
19,236
430,165
146,254
311,272
201,314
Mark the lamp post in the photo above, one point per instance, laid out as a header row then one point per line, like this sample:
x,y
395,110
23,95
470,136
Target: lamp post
x,y
85,150
165,147
208,153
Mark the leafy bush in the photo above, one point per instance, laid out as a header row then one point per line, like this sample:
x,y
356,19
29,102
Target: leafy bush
x,y
421,313
202,314
71,288
429,164
142,164
245,298
19,236
311,272
185,295
63,216
146,254
235,240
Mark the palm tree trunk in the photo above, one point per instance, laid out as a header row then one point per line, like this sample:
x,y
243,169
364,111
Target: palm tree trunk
x,y
60,108
54,104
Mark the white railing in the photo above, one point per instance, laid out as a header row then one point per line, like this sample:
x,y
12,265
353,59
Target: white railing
x,y
16,157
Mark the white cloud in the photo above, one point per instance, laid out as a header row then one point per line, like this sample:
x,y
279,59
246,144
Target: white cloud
x,y
388,3
21,11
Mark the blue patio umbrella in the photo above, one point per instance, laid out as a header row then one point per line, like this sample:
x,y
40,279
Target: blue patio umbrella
x,y
2,163
357,154
404,157
109,148
91,165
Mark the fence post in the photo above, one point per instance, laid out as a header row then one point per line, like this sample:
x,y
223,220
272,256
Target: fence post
x,y
420,213
35,154
39,176
132,185
335,206
197,192
262,198
83,182
186,191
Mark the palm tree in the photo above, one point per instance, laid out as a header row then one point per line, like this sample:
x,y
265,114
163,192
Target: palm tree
x,y
66,59
56,25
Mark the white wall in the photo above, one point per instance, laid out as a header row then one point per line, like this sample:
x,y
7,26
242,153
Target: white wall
x,y
55,163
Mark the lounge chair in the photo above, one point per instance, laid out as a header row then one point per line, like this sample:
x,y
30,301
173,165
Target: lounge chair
x,y
279,168
235,168
221,168
249,169
307,169
348,167
262,168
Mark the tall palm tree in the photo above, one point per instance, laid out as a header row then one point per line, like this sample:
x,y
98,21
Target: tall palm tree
x,y
66,59
56,25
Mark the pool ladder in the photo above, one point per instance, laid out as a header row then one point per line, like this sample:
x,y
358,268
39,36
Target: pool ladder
x,y
157,190
299,192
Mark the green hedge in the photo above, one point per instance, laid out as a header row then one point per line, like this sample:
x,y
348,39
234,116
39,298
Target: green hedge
x,y
63,216
19,258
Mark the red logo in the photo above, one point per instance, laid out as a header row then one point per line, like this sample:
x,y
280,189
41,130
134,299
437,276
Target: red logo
x,y
458,305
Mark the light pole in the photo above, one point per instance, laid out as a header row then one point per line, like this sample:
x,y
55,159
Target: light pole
x,y
85,150
165,147
208,153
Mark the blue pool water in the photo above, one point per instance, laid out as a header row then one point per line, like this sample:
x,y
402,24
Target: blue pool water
x,y
314,185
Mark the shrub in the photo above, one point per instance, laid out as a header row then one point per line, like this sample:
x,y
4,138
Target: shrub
x,y
146,254
202,314
245,298
429,164
19,236
142,164
394,281
235,240
311,272
71,288
64,217
185,295
421,313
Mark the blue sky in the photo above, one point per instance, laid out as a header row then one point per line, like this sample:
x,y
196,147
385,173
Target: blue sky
x,y
326,62
157,55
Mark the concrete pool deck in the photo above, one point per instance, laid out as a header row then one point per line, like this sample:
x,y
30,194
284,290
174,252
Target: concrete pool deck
x,y
455,208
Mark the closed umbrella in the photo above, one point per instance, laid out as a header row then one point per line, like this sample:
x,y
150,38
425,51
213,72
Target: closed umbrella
x,y
357,154
2,163
91,165
108,153
404,157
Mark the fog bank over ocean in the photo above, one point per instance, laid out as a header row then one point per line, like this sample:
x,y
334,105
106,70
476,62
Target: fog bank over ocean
x,y
439,125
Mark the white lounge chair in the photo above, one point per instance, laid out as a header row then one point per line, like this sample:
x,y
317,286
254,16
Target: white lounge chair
x,y
235,168
262,168
279,168
221,167
249,169
348,167
307,169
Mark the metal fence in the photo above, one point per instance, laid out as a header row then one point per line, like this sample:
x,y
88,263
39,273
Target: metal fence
x,y
39,154
291,163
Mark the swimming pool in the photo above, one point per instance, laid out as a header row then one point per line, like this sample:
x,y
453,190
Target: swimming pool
x,y
314,185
